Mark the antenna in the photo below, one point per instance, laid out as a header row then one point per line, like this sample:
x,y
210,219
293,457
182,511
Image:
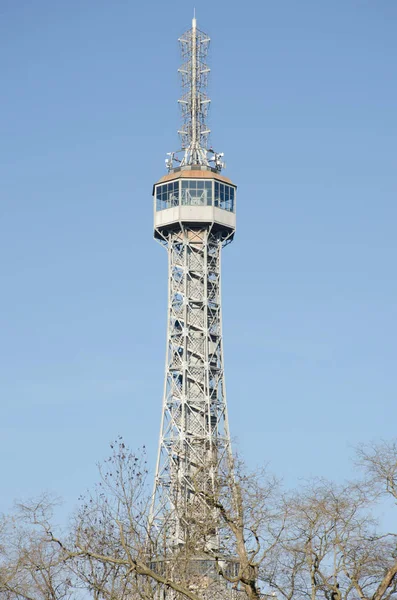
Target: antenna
x,y
194,102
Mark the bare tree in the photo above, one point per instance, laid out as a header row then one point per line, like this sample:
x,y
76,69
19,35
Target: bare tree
x,y
251,519
372,566
379,464
321,542
31,568
309,561
112,532
334,547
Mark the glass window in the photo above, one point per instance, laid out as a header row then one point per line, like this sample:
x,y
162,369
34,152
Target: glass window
x,y
216,195
230,203
196,193
167,195
192,192
224,196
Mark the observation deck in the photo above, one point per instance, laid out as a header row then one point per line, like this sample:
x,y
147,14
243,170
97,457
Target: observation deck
x,y
197,196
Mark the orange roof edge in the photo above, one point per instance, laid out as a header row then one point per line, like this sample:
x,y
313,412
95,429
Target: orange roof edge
x,y
194,175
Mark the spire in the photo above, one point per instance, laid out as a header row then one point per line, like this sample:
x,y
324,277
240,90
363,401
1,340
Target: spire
x,y
194,104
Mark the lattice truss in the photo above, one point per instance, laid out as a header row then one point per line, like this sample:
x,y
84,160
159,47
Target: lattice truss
x,y
194,102
194,437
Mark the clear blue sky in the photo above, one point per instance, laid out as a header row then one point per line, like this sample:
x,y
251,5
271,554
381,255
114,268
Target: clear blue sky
x,y
304,107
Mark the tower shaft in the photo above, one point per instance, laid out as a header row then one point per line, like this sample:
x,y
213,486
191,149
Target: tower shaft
x,y
194,437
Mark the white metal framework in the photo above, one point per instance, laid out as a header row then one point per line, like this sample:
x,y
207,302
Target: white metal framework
x,y
194,434
194,218
194,104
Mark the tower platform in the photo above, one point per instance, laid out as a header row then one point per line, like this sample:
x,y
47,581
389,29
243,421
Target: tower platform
x,y
194,196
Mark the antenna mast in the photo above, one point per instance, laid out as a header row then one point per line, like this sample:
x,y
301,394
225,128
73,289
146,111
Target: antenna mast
x,y
194,103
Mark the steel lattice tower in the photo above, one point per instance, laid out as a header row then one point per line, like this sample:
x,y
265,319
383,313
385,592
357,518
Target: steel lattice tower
x,y
194,218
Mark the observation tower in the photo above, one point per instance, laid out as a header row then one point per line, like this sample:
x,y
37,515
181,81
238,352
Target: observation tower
x,y
194,218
